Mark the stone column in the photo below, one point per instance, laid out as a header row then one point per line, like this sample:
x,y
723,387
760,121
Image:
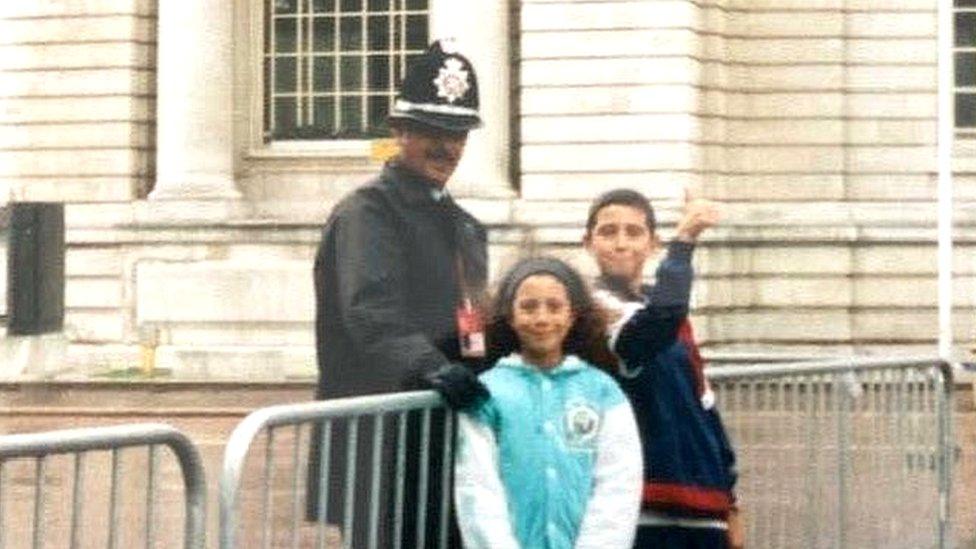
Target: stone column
x,y
481,33
194,146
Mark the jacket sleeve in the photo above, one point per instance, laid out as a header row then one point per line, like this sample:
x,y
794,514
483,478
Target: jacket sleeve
x,y
646,330
611,513
479,497
372,294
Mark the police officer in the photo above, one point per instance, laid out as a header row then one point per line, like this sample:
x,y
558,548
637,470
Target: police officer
x,y
397,272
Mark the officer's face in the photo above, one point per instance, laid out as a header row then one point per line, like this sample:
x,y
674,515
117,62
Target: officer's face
x,y
431,153
621,242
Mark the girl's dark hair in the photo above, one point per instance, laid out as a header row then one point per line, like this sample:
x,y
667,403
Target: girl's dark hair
x,y
587,338
621,197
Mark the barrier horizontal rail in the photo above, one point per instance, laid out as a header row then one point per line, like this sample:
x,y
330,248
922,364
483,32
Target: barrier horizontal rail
x,y
79,442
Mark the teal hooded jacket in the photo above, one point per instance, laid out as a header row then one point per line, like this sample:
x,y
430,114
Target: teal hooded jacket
x,y
551,460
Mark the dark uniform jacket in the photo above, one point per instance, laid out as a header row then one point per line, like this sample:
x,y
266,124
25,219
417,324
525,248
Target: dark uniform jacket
x,y
387,287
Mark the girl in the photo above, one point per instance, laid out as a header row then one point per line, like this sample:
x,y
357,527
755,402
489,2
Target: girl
x,y
552,459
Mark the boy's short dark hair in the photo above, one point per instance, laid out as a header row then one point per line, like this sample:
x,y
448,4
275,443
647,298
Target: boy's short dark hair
x,y
621,197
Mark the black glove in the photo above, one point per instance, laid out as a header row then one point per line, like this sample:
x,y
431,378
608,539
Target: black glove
x,y
458,385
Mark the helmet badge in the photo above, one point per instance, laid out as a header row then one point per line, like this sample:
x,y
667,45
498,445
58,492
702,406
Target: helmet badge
x,y
452,80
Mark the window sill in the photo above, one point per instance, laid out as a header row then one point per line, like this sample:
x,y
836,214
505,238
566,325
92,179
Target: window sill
x,y
359,149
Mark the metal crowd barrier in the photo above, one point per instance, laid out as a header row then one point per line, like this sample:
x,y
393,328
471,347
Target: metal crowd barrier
x,y
84,516
842,453
280,473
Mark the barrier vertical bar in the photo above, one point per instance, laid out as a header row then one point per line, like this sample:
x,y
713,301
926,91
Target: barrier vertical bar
x,y
77,492
267,527
296,477
400,474
374,491
325,462
422,485
38,537
151,498
446,465
113,504
352,439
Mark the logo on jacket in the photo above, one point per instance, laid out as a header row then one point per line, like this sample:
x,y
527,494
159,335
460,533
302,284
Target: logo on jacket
x,y
582,423
452,80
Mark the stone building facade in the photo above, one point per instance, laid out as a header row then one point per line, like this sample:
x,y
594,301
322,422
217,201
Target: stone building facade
x,y
191,226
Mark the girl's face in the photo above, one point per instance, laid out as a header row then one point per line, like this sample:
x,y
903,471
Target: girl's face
x,y
542,316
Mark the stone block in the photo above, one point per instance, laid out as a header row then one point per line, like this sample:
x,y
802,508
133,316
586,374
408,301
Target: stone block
x,y
587,186
776,187
784,23
891,78
801,103
902,105
767,158
93,262
101,81
891,132
67,163
610,128
783,78
886,50
76,188
610,72
93,293
892,24
784,50
899,160
609,158
622,15
76,55
76,8
223,291
94,326
77,109
782,132
237,363
609,43
774,259
134,134
775,325
87,29
909,325
670,98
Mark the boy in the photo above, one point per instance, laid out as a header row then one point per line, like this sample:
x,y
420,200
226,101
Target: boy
x,y
689,472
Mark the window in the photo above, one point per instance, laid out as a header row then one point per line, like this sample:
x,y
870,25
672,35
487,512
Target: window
x,y
331,66
965,63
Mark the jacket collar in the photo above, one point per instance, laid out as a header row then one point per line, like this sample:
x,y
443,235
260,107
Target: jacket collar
x,y
413,189
570,363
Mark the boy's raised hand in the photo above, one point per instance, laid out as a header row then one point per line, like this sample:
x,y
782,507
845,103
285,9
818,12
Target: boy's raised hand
x,y
699,214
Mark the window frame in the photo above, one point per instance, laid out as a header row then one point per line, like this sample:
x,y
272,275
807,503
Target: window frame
x,y
305,19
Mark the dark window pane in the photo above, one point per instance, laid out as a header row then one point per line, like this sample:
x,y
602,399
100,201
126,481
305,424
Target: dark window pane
x,y
965,69
352,118
379,107
324,114
417,32
285,77
966,110
323,34
351,74
285,6
379,72
966,3
379,33
323,6
416,4
267,95
966,29
285,116
284,35
352,5
323,75
351,29
379,5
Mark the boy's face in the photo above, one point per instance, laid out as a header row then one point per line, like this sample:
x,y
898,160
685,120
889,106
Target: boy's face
x,y
621,242
541,318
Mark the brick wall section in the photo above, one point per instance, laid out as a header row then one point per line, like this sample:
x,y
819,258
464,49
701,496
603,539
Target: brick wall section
x,y
77,88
